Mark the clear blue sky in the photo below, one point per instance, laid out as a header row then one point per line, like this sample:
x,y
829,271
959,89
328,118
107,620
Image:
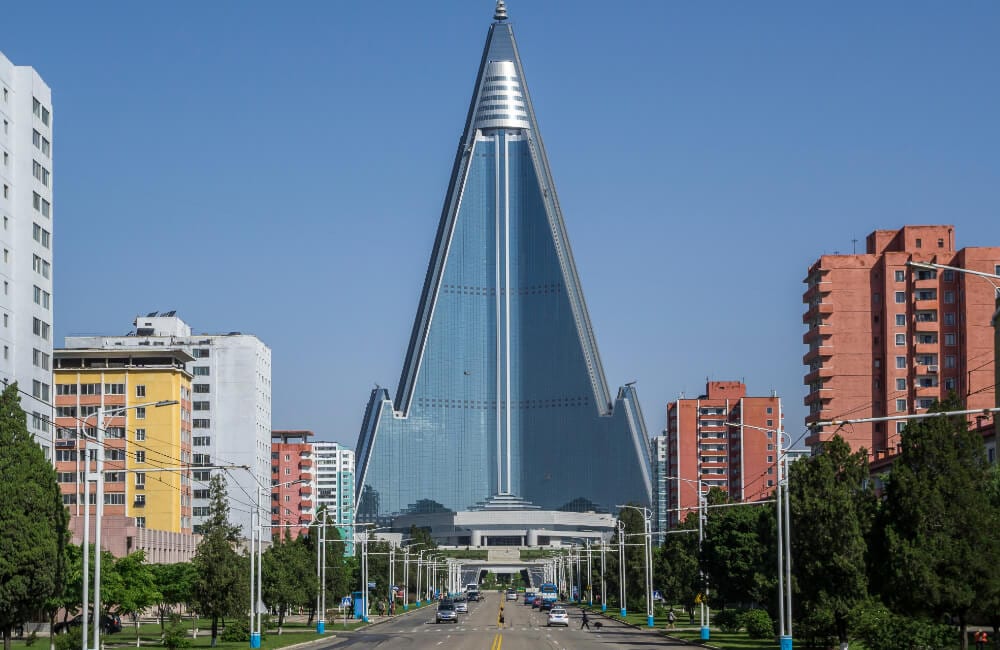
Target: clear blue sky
x,y
279,169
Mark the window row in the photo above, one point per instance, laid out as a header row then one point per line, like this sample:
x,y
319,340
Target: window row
x,y
41,266
42,298
40,172
41,205
39,111
42,236
41,143
40,359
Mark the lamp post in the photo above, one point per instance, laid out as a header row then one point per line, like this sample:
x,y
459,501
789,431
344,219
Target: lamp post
x,y
590,578
621,568
647,548
98,479
406,576
702,510
604,595
321,575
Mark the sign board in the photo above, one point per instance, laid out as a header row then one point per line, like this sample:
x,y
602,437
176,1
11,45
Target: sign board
x,y
371,585
657,595
345,601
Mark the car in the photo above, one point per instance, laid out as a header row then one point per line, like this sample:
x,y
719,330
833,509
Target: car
x,y
110,624
473,595
529,597
558,616
546,605
536,602
446,613
511,594
461,606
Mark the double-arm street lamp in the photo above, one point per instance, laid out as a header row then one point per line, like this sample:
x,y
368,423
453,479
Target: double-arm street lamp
x,y
98,478
703,597
647,521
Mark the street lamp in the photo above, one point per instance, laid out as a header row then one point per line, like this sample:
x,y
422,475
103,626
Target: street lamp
x,y
702,510
406,576
604,595
647,516
621,568
784,523
99,414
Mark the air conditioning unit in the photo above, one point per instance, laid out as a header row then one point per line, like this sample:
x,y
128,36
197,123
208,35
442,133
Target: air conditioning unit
x,y
932,368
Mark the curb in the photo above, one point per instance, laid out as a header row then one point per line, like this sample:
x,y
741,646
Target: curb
x,y
661,632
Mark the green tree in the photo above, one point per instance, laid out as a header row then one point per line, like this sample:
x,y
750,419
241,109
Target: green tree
x,y
635,562
735,553
222,586
175,584
988,605
940,524
131,587
832,505
289,577
32,521
676,567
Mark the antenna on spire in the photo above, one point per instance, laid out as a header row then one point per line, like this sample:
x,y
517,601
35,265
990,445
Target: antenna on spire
x,y
501,12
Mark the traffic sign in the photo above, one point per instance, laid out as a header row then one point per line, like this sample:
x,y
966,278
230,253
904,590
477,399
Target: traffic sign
x,y
345,601
371,585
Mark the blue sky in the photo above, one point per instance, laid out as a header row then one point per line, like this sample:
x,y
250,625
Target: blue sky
x,y
279,169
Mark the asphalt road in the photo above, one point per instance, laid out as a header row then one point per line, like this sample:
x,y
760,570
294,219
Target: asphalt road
x,y
524,629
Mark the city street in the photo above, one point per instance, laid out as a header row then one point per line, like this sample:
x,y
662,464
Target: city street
x,y
524,629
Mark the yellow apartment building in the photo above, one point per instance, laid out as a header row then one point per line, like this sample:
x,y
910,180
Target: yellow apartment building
x,y
147,446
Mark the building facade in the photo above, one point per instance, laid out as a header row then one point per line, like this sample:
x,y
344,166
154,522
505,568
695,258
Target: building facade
x,y
147,448
502,392
293,482
334,465
231,406
889,339
26,265
721,439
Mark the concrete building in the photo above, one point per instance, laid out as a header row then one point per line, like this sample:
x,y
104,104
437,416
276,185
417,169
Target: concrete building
x,y
26,267
885,338
334,466
722,438
292,460
231,404
147,449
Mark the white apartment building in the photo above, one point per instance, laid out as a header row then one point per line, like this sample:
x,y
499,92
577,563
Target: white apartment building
x,y
231,407
26,241
335,484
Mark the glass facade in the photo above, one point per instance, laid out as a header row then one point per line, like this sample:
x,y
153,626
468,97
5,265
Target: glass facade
x,y
502,391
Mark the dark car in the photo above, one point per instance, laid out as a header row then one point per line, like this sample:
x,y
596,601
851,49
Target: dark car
x,y
110,623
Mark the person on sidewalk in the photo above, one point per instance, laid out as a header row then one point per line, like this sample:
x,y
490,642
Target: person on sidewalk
x,y
586,621
671,619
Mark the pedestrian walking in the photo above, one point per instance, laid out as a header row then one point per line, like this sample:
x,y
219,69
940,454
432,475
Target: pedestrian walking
x,y
982,640
671,619
586,621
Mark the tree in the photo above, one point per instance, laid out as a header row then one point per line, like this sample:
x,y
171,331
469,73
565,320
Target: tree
x,y
635,562
940,523
32,521
222,586
289,577
131,587
675,570
735,553
175,584
831,504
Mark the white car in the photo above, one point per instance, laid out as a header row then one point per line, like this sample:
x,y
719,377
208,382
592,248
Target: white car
x,y
511,595
461,606
558,616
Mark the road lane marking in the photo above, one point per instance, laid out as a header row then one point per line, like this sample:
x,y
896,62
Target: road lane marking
x,y
497,641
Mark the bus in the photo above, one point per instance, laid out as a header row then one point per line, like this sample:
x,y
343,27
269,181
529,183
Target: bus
x,y
549,593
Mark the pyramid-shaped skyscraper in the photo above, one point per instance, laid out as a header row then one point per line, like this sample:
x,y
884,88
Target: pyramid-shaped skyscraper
x,y
502,392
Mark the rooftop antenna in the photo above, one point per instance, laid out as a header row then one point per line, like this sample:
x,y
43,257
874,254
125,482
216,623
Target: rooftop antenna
x,y
854,246
501,12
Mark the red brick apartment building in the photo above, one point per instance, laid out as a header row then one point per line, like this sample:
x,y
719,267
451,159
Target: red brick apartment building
x,y
701,442
291,505
886,338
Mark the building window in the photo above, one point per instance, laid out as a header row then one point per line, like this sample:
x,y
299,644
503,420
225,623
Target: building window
x,y
900,276
202,494
201,441
114,389
900,425
949,338
901,405
200,353
901,320
201,388
900,384
40,328
900,362
200,371
900,297
140,500
140,457
202,475
140,522
949,361
201,423
199,406
140,435
949,318
140,413
949,297
140,390
901,339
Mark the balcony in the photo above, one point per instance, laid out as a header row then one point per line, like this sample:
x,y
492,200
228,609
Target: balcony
x,y
927,370
817,352
305,490
305,463
823,372
305,518
817,311
928,391
816,290
821,332
306,476
927,348
821,395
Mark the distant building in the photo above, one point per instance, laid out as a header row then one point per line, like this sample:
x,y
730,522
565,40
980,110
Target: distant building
x,y
26,230
889,339
334,465
722,438
147,449
231,403
292,459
